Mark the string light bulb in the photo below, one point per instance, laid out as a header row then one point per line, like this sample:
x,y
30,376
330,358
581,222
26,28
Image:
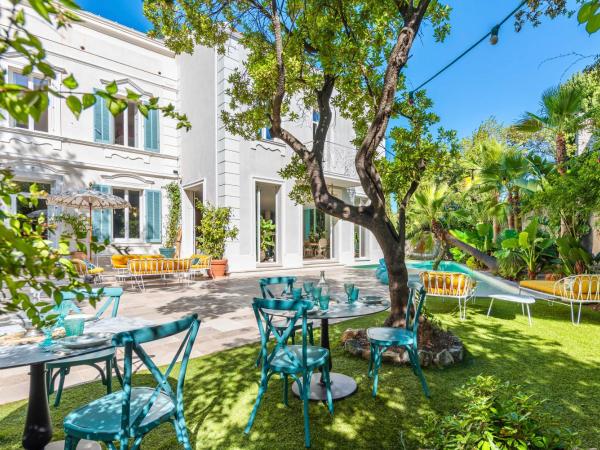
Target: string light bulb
x,y
494,35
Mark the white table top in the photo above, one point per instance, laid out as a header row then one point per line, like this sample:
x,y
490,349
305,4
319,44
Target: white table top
x,y
27,354
514,298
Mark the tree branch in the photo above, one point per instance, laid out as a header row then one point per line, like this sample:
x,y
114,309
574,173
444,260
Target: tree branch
x,y
369,178
324,200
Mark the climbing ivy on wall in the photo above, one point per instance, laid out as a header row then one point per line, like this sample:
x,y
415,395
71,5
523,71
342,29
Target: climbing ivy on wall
x,y
174,197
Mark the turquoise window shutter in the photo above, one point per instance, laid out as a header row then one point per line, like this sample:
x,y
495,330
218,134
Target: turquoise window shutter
x,y
102,121
151,131
101,218
153,216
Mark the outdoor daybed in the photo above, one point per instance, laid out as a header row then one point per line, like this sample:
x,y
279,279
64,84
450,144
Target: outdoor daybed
x,y
576,289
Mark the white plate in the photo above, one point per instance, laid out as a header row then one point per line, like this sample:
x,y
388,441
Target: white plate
x,y
371,300
86,340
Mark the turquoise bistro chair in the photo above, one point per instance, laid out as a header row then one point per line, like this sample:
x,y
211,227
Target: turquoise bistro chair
x,y
131,413
383,338
288,284
110,296
297,361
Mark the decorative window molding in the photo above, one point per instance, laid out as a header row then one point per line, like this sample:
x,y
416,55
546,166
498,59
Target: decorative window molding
x,y
109,153
128,83
269,146
29,140
128,175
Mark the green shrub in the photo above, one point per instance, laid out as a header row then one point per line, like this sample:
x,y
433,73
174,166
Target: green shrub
x,y
496,415
214,229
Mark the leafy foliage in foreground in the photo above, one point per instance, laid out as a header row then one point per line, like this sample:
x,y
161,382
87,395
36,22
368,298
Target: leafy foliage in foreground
x,y
28,259
499,416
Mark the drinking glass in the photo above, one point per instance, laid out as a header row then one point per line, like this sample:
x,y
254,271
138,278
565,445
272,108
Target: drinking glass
x,y
48,341
348,288
353,295
324,302
74,325
308,287
297,293
316,293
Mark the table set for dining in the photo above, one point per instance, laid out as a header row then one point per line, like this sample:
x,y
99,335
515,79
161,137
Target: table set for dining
x,y
91,339
18,349
328,306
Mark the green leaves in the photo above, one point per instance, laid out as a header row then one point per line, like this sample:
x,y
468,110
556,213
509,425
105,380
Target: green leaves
x,y
112,88
214,230
174,220
70,82
496,415
590,15
88,100
74,104
28,261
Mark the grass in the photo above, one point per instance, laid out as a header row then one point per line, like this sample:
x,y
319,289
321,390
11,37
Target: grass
x,y
553,360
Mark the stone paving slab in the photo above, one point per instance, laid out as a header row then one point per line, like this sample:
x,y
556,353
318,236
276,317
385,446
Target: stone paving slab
x,y
223,306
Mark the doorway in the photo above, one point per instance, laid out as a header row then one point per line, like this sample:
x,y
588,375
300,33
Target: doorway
x,y
267,222
197,197
318,234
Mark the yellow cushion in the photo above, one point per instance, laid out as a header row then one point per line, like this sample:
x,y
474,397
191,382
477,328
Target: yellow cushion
x,y
581,287
119,261
95,270
544,286
585,285
444,283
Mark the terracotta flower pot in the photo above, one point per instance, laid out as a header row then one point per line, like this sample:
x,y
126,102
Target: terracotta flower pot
x,y
218,268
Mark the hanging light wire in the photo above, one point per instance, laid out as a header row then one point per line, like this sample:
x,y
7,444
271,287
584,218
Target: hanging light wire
x,y
493,33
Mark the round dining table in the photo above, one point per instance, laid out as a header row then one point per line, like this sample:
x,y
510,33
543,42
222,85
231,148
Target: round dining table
x,y
341,385
37,432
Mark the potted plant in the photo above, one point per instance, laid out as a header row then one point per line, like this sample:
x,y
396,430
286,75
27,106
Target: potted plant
x,y
267,239
174,220
214,231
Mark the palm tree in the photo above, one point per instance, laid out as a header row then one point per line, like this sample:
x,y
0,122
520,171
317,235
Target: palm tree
x,y
504,174
561,113
430,210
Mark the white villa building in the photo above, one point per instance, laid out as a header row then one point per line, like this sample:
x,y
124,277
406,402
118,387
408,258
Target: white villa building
x,y
135,157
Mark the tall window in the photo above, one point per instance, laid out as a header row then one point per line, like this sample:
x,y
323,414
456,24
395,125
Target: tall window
x,y
31,82
126,128
126,222
29,209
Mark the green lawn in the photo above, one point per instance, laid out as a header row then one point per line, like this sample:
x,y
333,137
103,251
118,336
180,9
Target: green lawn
x,y
553,359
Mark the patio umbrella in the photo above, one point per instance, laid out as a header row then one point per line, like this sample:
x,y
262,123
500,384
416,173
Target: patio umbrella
x,y
90,199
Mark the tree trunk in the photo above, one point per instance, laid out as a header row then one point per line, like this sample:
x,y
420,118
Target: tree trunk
x,y
440,255
495,222
398,287
561,153
511,217
516,210
443,235
496,228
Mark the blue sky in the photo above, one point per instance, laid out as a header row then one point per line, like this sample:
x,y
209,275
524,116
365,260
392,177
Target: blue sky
x,y
502,81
